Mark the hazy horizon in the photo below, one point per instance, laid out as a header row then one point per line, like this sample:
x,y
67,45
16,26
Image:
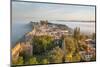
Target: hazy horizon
x,y
44,11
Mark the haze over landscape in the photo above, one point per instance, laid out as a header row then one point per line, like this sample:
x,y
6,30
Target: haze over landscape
x,y
45,11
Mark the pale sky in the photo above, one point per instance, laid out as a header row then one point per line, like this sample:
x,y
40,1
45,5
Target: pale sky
x,y
44,11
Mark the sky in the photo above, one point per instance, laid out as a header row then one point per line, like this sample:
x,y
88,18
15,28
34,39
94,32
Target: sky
x,y
44,11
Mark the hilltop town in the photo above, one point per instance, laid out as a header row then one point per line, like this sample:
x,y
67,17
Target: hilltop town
x,y
45,38
39,29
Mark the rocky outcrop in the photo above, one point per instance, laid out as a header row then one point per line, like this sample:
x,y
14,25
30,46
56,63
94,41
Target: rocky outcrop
x,y
21,48
39,29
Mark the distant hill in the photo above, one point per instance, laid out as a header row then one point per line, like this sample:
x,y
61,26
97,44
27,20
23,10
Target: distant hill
x,y
76,20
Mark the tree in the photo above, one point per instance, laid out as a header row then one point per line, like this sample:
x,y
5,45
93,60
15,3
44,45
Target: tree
x,y
76,57
77,37
20,61
68,57
72,57
56,55
72,50
45,61
42,43
69,44
33,60
76,34
83,37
